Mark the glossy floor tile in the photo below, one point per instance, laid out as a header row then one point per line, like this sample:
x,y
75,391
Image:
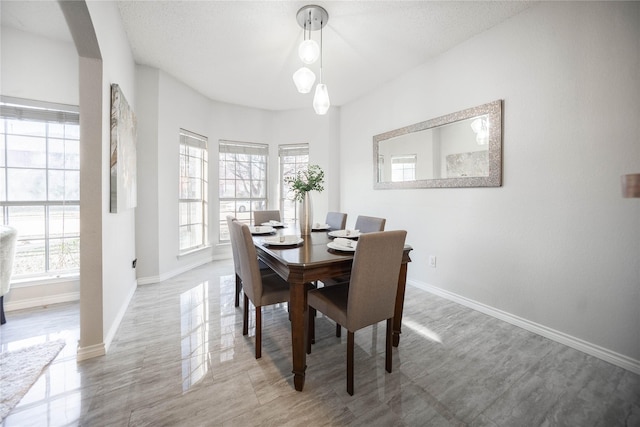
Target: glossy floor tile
x,y
180,359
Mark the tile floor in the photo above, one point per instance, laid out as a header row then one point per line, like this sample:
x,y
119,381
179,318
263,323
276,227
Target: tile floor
x,y
179,359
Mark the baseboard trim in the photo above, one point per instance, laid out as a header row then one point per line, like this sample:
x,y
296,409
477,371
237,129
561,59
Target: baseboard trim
x,y
90,352
168,275
607,355
41,301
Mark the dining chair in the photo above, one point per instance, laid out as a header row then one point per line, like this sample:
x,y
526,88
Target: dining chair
x,y
364,224
336,220
236,261
8,238
260,217
369,224
370,295
259,288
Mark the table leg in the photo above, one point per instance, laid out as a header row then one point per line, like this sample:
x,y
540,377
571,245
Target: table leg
x,y
298,307
397,315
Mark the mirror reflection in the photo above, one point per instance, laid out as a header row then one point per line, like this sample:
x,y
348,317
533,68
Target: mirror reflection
x,y
462,149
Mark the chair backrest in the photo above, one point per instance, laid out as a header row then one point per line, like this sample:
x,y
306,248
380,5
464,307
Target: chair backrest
x,y
260,217
336,220
8,237
369,224
234,245
248,257
374,278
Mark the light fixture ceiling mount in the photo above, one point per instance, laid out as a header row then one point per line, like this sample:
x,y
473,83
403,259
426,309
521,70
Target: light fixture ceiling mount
x,y
312,17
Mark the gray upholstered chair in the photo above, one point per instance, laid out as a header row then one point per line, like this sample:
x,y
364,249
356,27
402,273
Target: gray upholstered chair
x,y
261,289
236,262
260,217
369,297
369,224
264,269
8,237
365,224
336,220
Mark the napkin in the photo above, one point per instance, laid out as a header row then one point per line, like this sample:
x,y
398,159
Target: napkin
x,y
348,243
274,222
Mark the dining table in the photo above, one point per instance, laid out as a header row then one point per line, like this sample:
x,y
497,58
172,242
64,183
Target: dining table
x,y
309,261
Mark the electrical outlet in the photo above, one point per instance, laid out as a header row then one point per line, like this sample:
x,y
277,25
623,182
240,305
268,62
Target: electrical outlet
x,y
432,261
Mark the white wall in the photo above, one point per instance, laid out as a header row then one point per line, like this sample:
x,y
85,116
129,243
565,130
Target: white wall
x,y
35,67
118,230
557,247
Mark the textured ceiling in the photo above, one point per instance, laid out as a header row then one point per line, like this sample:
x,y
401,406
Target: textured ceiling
x,y
245,52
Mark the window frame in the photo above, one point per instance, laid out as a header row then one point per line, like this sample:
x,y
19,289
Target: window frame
x,y
241,207
406,164
59,231
286,194
188,142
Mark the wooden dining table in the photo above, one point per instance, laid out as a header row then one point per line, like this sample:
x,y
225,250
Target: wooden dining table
x,y
308,262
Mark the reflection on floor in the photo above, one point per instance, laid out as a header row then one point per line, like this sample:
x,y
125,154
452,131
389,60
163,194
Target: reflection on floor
x,y
179,358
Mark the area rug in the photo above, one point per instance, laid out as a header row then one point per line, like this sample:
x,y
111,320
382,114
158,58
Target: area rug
x,y
19,369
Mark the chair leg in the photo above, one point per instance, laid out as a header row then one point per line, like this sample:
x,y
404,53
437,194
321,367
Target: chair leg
x,y
311,326
245,316
3,319
350,343
258,332
238,289
312,313
388,354
338,330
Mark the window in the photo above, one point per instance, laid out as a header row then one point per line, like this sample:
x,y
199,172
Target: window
x,y
40,185
242,181
193,208
293,157
403,168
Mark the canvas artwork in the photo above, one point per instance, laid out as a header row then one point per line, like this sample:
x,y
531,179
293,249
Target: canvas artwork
x,y
123,153
472,164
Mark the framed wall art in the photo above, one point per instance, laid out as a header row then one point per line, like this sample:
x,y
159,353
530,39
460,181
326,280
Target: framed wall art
x,y
123,153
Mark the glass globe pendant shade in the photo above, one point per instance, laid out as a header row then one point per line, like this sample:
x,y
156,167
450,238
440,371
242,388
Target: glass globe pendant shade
x,y
321,101
309,51
304,79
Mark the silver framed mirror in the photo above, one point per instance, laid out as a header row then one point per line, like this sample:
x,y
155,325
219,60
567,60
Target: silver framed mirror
x,y
462,149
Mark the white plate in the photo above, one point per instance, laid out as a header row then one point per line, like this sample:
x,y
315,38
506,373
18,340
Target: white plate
x,y
354,234
340,247
273,224
262,229
320,227
288,241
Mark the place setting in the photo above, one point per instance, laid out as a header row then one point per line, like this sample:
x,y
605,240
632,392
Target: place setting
x,y
347,234
259,230
320,227
273,223
342,244
283,240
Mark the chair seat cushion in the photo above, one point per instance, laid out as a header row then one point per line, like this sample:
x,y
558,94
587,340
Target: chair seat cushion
x,y
332,301
274,289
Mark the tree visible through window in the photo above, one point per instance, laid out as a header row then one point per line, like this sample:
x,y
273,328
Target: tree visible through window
x,y
293,158
242,181
40,185
193,208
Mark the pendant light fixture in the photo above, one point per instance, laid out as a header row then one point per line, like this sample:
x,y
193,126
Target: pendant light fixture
x,y
312,18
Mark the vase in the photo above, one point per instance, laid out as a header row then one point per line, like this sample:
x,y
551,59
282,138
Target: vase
x,y
305,215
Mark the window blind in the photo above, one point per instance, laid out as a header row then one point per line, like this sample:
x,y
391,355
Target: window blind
x,y
26,109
